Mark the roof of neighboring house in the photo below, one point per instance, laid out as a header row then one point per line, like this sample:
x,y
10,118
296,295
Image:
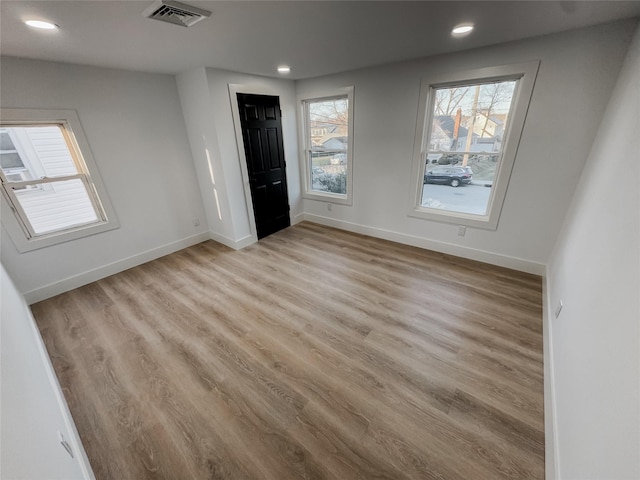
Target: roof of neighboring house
x,y
336,137
330,127
447,123
330,137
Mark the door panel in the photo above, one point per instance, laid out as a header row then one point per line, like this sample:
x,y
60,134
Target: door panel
x,y
273,143
251,112
261,125
255,150
270,112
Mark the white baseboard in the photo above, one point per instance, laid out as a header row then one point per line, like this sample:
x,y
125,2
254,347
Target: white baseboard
x,y
249,239
552,459
442,247
298,218
84,278
74,437
235,244
75,281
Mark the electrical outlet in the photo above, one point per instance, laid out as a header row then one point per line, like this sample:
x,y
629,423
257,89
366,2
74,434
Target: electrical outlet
x,y
461,231
196,222
329,206
559,308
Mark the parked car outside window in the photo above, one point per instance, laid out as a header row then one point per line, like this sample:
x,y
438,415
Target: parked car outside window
x,y
446,175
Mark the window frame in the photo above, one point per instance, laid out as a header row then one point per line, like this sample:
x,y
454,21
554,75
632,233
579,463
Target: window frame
x,y
13,215
525,73
305,147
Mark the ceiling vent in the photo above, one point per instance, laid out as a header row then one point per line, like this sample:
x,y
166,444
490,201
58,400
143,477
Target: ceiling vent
x,y
175,12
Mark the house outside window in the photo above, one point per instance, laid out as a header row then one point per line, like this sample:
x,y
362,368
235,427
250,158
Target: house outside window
x,y
327,142
47,183
10,161
469,127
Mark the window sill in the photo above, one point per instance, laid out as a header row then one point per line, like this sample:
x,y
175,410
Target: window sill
x,y
456,218
328,197
24,244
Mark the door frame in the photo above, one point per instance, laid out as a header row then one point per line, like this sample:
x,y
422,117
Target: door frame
x,y
234,89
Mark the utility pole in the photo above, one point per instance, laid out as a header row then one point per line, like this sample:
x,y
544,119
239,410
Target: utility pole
x,y
474,112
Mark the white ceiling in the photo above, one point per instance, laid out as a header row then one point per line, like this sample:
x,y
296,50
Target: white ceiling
x,y
314,37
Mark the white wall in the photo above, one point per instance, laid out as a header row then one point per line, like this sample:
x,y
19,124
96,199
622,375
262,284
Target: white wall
x,y
136,128
198,112
33,408
577,71
134,124
595,271
209,113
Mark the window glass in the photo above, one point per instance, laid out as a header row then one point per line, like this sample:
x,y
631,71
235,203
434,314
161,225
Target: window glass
x,y
10,160
58,206
467,130
328,144
46,180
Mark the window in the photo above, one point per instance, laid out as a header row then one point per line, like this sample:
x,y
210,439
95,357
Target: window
x,y
327,144
46,180
11,164
469,127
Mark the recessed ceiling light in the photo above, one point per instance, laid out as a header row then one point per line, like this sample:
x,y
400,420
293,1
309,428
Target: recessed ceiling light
x,y
284,69
462,29
42,25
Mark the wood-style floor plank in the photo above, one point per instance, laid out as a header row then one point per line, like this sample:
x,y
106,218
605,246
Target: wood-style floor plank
x,y
314,354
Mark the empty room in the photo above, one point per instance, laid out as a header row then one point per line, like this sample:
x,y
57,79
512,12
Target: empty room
x,y
319,240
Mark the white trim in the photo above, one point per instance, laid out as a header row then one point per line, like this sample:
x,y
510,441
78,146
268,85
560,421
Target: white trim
x,y
506,261
75,281
235,244
526,74
307,192
74,436
552,454
297,219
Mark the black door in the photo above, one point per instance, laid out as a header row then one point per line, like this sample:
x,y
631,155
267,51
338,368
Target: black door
x,y
262,135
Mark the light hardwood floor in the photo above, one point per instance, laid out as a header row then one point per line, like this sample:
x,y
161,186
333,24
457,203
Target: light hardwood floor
x,y
315,353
